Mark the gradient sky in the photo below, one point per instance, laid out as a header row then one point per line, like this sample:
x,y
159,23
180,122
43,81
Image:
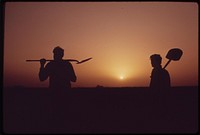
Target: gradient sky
x,y
119,36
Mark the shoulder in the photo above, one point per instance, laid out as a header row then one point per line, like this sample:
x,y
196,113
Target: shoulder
x,y
156,70
165,71
159,71
49,64
67,63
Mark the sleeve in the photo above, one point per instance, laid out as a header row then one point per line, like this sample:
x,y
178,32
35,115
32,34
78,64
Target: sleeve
x,y
155,79
44,72
167,79
71,73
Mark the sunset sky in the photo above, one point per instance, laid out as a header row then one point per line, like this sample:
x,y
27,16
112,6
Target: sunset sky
x,y
119,36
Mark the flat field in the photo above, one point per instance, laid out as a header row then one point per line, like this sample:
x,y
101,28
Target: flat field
x,y
100,110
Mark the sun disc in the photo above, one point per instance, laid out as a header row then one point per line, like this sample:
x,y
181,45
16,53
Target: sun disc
x,y
121,77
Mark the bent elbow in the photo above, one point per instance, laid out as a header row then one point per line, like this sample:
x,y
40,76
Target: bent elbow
x,y
74,79
42,79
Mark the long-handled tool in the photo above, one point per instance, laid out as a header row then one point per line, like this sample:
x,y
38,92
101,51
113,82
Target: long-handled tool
x,y
70,60
173,54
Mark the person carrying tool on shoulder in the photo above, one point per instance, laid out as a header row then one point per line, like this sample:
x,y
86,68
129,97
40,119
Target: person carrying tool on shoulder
x,y
59,71
160,78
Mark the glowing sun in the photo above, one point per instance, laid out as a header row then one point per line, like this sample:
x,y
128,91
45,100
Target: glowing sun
x,y
121,77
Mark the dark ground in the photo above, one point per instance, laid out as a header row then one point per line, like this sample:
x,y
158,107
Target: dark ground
x,y
100,110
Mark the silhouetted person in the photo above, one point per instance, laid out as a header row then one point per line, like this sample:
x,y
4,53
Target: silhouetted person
x,y
59,71
160,78
160,84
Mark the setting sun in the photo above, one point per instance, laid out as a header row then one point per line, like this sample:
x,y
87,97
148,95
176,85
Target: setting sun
x,y
119,36
121,77
100,67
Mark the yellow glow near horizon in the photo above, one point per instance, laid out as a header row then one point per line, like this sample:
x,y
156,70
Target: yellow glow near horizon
x,y
121,77
119,36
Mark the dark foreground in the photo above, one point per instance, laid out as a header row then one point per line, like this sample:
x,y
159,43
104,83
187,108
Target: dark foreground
x,y
102,110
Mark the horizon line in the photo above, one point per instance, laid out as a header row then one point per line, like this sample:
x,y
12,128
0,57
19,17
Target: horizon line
x,y
101,86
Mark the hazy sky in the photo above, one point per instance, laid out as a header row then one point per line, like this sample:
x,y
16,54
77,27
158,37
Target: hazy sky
x,y
119,36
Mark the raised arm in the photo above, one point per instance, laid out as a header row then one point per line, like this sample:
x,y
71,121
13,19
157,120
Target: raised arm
x,y
43,73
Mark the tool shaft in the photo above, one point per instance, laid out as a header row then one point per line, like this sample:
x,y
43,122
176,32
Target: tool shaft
x,y
166,64
36,60
70,60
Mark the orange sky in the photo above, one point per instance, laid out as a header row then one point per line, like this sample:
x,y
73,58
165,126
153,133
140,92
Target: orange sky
x,y
119,36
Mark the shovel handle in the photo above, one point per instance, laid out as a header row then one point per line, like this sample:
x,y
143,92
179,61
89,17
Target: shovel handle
x,y
167,64
70,60
36,60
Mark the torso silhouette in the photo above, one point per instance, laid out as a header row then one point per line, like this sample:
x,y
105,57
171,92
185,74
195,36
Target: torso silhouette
x,y
60,74
160,78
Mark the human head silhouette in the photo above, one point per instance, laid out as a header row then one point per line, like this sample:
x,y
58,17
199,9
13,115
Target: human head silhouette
x,y
156,60
58,53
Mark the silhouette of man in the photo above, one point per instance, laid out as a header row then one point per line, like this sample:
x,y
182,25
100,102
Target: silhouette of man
x,y
160,78
59,71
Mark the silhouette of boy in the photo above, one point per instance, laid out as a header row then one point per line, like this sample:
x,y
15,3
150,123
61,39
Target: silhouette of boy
x,y
160,78
59,71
